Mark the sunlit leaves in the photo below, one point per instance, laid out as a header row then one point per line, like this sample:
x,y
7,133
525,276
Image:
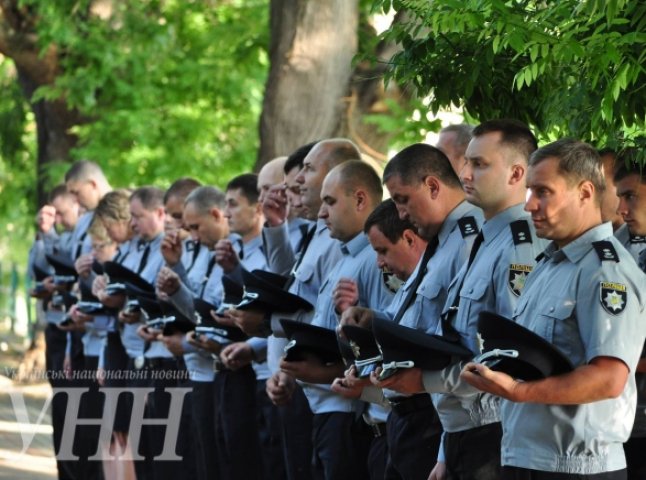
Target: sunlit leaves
x,y
570,67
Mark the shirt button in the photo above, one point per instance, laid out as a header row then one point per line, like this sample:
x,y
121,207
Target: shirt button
x,y
551,309
471,290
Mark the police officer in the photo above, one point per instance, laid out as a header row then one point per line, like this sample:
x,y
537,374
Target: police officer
x,y
244,212
425,189
572,425
631,190
493,178
349,193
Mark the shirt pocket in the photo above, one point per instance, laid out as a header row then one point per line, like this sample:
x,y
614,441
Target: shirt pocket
x,y
551,320
304,273
430,291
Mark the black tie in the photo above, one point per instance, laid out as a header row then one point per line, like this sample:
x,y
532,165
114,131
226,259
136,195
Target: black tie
x,y
196,252
428,253
79,246
303,249
448,329
144,259
209,270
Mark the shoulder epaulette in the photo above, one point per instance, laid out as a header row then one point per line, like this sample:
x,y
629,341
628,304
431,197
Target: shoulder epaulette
x,y
605,250
637,239
468,226
520,232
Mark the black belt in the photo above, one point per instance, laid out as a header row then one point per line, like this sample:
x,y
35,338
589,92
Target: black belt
x,y
405,405
161,363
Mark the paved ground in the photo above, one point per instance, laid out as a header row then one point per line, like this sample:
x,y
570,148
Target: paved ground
x,y
36,461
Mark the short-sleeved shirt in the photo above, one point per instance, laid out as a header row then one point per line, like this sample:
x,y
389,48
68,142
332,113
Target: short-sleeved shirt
x,y
492,283
588,301
455,240
635,244
359,263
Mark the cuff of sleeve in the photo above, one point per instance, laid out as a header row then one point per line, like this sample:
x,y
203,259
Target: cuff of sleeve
x,y
373,394
441,457
187,347
273,233
259,347
433,381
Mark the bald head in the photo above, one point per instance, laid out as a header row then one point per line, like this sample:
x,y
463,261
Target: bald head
x,y
323,157
357,175
350,192
335,151
271,174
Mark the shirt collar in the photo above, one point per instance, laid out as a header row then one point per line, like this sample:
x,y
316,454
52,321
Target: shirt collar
x,y
578,248
252,245
356,245
463,209
492,227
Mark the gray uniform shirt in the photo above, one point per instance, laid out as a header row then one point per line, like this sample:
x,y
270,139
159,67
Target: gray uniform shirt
x,y
319,259
455,240
359,263
636,246
492,283
586,307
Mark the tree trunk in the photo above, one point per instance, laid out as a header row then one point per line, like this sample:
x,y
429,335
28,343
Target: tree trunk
x,y
311,51
54,140
313,90
35,68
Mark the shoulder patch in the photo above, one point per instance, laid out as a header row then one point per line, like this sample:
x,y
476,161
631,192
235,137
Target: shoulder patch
x,y
517,277
637,239
468,226
606,251
520,232
613,297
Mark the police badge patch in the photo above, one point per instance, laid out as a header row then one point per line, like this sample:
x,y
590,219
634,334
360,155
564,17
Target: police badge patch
x,y
517,276
613,296
391,282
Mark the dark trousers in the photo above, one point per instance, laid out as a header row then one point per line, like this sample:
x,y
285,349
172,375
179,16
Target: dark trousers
x,y
86,440
204,408
140,379
237,438
115,364
341,443
514,473
377,458
269,435
55,343
473,454
296,436
158,406
413,442
635,450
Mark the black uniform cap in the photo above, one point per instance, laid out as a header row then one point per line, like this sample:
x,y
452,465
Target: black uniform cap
x,y
404,344
304,337
62,265
40,274
135,285
204,319
517,351
264,291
